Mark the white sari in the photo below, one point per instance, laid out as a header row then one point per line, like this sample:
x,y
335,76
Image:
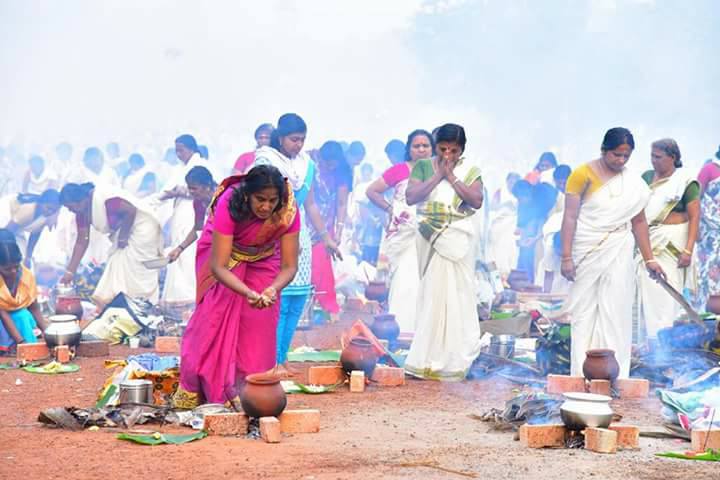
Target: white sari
x,y
657,308
447,339
180,279
124,271
400,250
600,300
502,244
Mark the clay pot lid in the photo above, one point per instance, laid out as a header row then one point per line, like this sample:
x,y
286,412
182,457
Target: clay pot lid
x,y
263,378
600,352
361,341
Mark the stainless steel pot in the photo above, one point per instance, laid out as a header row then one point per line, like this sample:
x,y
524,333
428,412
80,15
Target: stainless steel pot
x,y
136,391
63,330
503,346
581,410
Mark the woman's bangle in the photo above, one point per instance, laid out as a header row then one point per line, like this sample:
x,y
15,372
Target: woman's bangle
x,y
455,181
687,252
648,262
567,259
181,247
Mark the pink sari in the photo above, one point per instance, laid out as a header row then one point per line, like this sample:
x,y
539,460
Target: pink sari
x,y
226,339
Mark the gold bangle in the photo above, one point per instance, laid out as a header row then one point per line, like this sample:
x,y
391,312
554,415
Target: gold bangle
x,y
687,252
652,260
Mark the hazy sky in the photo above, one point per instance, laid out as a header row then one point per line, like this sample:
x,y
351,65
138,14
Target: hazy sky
x,y
522,75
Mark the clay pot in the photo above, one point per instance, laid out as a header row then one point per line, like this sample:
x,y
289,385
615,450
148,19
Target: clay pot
x,y
713,304
518,280
69,305
359,355
385,327
600,364
377,291
263,396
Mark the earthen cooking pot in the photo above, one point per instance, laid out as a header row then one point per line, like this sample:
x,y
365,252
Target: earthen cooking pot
x,y
359,355
385,327
377,291
518,279
600,364
263,396
68,304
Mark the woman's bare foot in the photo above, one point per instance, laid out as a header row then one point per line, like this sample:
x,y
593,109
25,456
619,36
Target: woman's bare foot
x,y
285,371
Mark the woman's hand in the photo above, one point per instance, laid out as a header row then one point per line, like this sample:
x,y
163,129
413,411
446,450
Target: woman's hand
x,y
268,297
567,269
446,169
684,260
67,278
655,270
332,247
174,254
254,298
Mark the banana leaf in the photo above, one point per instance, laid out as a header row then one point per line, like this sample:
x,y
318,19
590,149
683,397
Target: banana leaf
x,y
160,438
295,387
709,456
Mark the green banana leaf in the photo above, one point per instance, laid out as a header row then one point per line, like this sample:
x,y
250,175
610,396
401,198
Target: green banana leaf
x,y
108,395
160,438
709,456
321,356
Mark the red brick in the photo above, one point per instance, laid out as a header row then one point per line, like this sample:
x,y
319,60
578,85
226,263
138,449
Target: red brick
x,y
630,388
564,384
325,375
600,387
270,429
93,348
357,381
601,440
32,351
226,424
388,376
167,344
62,354
702,439
542,436
628,435
300,421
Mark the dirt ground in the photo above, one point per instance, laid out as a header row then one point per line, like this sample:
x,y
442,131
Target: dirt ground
x,y
362,436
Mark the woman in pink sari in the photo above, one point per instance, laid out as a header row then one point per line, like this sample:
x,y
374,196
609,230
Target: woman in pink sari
x,y
247,253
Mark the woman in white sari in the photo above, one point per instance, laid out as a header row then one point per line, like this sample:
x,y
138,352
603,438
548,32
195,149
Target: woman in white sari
x,y
448,191
398,250
135,233
502,248
604,210
179,286
673,213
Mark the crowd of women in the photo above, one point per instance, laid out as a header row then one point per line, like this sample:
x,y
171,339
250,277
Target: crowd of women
x,y
250,251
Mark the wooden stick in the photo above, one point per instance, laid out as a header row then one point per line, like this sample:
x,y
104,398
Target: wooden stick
x,y
435,465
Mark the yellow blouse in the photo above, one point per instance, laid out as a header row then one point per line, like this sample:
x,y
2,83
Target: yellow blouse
x,y
583,181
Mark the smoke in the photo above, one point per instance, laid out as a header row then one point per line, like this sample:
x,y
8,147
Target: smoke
x,y
522,76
